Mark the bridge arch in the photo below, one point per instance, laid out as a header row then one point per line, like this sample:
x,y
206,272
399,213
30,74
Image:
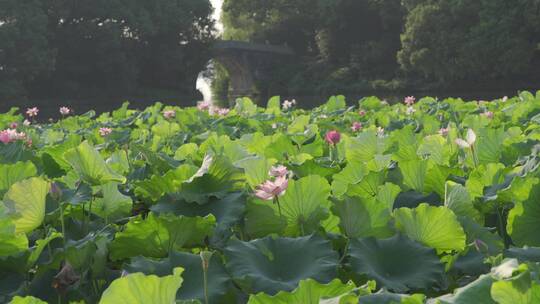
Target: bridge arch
x,y
248,63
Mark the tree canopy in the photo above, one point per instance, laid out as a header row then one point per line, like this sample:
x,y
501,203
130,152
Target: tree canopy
x,y
355,45
103,46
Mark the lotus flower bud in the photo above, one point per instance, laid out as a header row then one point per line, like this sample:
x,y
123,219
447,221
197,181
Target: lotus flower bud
x,y
333,137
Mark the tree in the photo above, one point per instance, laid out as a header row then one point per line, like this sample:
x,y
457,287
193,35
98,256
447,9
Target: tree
x,y
453,40
82,48
25,51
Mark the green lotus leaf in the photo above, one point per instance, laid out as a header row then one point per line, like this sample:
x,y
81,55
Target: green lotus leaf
x,y
157,236
387,194
244,106
26,300
475,231
359,217
313,167
411,199
216,178
477,292
484,176
187,151
436,147
364,147
352,174
119,162
307,292
157,185
228,211
407,144
304,204
437,176
219,281
518,290
14,152
274,105
90,166
81,193
113,204
12,173
256,169
369,186
397,263
335,103
299,131
40,246
489,145
165,129
519,189
458,200
525,254
523,223
271,265
414,173
262,219
392,298
11,242
255,143
223,146
25,201
138,288
435,227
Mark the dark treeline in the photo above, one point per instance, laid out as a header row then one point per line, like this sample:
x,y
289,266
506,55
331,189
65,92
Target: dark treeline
x,y
87,48
374,45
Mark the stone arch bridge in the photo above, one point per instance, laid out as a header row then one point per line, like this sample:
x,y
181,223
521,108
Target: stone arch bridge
x,y
249,63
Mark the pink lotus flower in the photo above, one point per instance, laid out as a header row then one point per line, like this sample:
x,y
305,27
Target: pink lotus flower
x,y
65,111
444,131
204,105
13,125
223,111
32,112
362,113
278,171
409,100
5,137
332,137
488,114
169,114
10,135
356,126
272,189
105,131
26,122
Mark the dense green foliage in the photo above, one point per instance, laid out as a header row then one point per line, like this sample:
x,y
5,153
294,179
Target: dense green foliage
x,y
432,201
102,48
360,45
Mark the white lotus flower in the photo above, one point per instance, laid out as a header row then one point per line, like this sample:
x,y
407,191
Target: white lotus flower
x,y
287,104
469,141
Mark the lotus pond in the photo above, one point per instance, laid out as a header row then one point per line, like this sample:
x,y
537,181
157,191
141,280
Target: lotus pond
x,y
425,201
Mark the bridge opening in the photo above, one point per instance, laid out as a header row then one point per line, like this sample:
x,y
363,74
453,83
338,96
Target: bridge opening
x,y
214,83
240,69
